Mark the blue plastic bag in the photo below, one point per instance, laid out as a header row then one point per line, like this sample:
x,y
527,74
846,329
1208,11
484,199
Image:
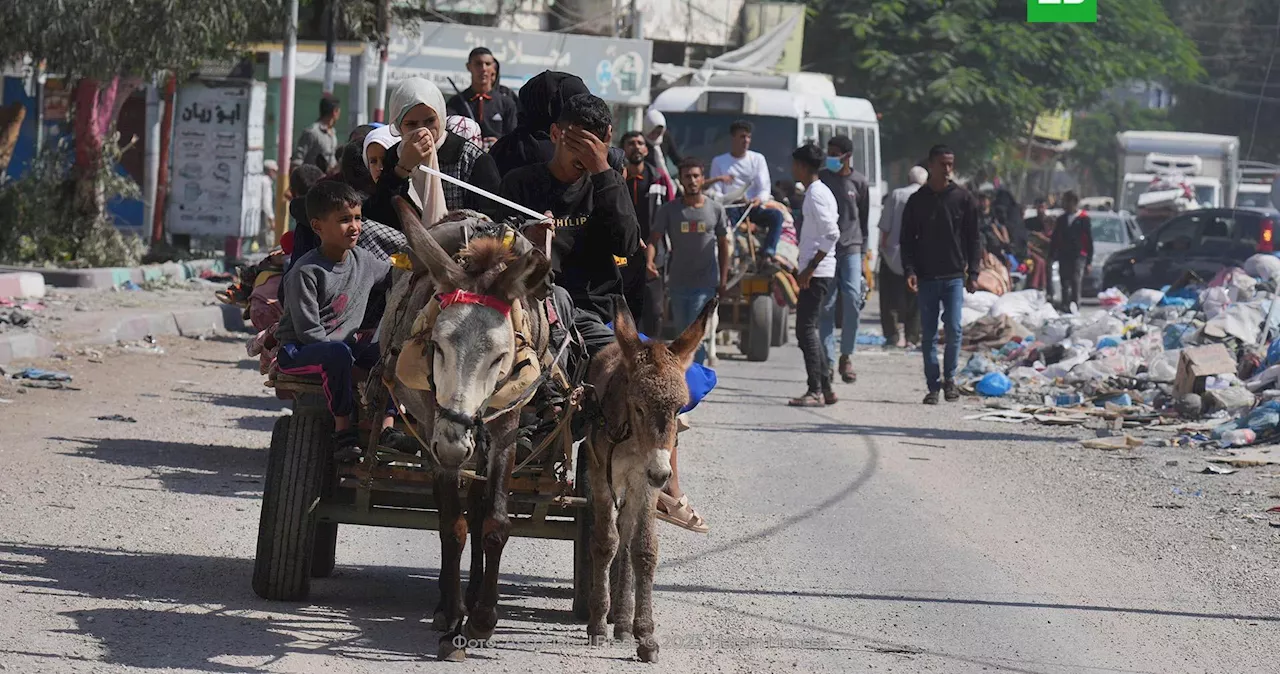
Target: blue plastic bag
x,y
870,339
1123,400
699,378
994,385
1273,352
1109,340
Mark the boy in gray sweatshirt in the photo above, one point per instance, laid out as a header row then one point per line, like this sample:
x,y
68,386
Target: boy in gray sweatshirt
x,y
326,294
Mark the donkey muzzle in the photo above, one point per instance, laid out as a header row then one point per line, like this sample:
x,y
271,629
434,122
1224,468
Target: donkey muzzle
x,y
658,471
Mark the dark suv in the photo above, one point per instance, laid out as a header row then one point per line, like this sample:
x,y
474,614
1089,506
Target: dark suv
x,y
1203,241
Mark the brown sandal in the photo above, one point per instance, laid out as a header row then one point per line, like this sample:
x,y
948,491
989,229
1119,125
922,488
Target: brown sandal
x,y
810,399
680,513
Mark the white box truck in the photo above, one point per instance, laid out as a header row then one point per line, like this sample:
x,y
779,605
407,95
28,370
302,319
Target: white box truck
x,y
1209,163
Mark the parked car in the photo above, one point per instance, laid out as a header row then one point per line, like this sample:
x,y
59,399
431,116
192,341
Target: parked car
x,y
1112,232
1202,241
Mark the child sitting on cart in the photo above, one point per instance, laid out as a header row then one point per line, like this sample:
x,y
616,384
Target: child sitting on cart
x,y
326,294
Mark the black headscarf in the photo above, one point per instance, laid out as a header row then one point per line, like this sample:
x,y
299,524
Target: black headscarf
x,y
541,100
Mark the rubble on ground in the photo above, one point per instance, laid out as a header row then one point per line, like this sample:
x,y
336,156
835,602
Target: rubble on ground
x,y
1196,363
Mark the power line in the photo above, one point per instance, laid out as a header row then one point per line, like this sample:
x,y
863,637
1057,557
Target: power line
x,y
1253,133
1233,93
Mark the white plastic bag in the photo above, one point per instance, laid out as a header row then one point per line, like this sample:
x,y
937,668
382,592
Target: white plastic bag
x,y
1264,266
980,301
1163,369
1147,297
1112,297
969,315
1019,305
1214,300
1054,331
1103,326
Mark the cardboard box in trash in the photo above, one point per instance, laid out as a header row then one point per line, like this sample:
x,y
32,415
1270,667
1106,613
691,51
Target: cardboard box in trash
x,y
1200,362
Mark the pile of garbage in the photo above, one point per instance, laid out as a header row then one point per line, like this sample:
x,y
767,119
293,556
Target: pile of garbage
x,y
1200,359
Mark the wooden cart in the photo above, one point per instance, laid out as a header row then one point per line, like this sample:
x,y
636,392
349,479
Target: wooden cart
x,y
750,307
306,496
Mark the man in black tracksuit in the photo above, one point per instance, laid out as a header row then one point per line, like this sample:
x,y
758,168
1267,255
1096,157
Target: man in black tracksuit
x,y
1072,247
941,249
592,219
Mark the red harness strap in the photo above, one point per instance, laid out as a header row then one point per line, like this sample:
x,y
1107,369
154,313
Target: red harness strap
x,y
464,297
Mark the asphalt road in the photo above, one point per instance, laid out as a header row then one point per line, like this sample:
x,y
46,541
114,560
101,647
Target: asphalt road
x,y
873,535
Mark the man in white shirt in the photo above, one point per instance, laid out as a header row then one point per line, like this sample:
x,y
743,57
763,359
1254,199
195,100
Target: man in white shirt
x,y
817,280
897,302
740,167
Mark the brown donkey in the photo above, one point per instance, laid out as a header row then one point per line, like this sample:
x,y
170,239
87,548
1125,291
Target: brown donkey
x,y
641,388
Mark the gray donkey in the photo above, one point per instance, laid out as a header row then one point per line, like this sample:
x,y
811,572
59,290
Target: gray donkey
x,y
454,337
640,388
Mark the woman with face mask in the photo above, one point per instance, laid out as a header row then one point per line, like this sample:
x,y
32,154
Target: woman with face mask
x,y
419,137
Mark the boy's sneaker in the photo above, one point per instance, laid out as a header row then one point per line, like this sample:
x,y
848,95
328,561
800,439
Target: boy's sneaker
x,y
931,398
346,445
398,440
950,391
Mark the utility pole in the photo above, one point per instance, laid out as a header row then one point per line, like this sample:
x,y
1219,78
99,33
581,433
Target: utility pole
x,y
151,163
330,45
384,39
284,145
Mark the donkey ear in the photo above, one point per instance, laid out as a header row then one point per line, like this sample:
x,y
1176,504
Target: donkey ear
x,y
624,328
521,276
425,251
686,345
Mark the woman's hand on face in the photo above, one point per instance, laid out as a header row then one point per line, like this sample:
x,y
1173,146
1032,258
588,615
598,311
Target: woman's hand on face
x,y
415,148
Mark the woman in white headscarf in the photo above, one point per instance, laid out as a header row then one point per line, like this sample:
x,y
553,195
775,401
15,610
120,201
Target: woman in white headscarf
x,y
417,120
661,147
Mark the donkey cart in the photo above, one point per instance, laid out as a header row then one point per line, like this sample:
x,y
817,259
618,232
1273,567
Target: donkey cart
x,y
749,307
307,495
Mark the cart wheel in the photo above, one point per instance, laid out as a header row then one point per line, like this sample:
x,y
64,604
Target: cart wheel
x,y
324,555
300,454
582,541
760,329
781,315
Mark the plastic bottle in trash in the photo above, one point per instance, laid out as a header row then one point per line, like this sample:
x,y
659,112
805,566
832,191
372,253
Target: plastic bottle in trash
x,y
1068,399
1239,437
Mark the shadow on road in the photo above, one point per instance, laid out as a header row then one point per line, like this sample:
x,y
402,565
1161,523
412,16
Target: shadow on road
x,y
248,402
184,467
200,613
842,428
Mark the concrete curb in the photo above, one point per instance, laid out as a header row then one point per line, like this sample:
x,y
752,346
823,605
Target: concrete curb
x,y
184,322
111,277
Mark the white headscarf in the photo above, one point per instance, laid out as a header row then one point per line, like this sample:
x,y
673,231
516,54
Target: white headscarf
x,y
652,120
427,190
380,136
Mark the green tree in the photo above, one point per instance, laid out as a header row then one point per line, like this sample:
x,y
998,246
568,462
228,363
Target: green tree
x,y
1094,158
973,73
107,46
1238,42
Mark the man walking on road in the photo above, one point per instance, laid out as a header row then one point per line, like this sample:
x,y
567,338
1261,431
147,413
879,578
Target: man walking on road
x,y
897,302
699,233
1072,247
852,198
817,280
483,101
318,144
941,252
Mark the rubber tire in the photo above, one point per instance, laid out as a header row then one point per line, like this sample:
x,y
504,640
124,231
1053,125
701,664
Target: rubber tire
x,y
324,553
301,453
582,540
759,329
781,318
